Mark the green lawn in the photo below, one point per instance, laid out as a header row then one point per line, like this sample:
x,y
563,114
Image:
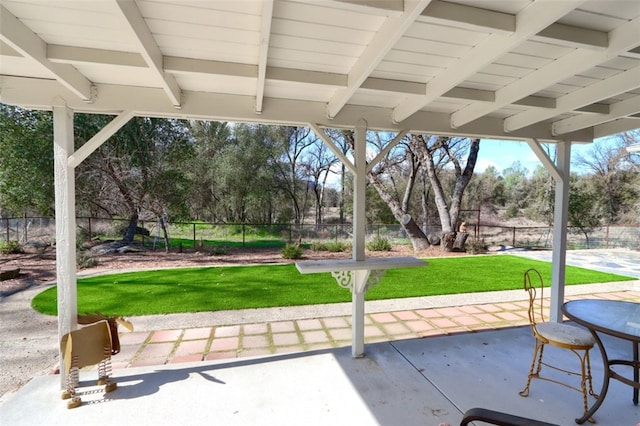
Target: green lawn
x,y
238,287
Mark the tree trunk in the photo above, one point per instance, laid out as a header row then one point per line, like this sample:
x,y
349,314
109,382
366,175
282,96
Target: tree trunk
x,y
461,239
418,238
130,233
448,239
165,234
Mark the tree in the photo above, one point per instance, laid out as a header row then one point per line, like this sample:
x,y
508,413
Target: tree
x,y
583,213
383,177
429,156
515,188
210,139
317,164
128,175
26,161
294,142
615,182
436,150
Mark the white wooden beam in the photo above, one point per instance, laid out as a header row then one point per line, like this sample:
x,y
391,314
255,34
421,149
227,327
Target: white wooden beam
x,y
572,36
65,54
489,21
560,220
21,39
382,42
200,66
175,65
149,48
616,126
542,155
386,150
359,190
470,17
65,213
610,87
153,102
99,138
535,17
338,153
374,7
617,110
621,39
265,34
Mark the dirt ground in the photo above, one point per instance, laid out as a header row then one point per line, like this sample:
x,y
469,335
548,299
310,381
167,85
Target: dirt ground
x,y
40,268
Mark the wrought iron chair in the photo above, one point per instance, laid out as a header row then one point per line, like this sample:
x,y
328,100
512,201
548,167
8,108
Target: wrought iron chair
x,y
498,418
577,340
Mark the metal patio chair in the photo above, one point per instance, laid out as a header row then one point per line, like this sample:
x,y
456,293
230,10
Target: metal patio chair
x,y
577,340
498,418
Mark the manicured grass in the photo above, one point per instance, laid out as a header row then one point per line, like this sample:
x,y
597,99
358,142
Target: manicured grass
x,y
238,287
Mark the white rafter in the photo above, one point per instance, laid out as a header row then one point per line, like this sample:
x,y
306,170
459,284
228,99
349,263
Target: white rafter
x,y
618,110
621,39
531,20
149,48
384,40
21,39
265,33
613,86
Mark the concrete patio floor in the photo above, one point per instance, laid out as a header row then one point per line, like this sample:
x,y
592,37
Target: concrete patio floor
x,y
425,381
427,361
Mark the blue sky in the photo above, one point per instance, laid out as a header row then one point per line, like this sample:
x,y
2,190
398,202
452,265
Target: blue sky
x,y
502,154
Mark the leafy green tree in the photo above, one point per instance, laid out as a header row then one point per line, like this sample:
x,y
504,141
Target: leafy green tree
x,y
210,139
138,173
26,161
540,198
295,143
614,179
453,151
583,213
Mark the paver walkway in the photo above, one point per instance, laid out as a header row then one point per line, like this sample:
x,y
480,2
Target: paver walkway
x,y
294,335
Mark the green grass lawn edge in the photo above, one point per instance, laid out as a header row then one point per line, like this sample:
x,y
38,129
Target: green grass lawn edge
x,y
202,289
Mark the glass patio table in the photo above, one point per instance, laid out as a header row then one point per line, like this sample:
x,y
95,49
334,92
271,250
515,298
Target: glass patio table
x,y
615,318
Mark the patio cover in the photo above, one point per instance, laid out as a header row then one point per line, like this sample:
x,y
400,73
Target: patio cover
x,y
540,71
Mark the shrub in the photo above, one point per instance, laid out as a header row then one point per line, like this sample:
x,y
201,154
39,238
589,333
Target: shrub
x,y
291,251
319,246
379,244
475,246
336,246
219,250
84,259
10,247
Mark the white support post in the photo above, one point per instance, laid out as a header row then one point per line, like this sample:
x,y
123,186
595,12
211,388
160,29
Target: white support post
x,y
65,211
560,220
358,289
359,191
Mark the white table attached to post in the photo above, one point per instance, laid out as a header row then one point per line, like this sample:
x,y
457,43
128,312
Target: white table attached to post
x,y
358,275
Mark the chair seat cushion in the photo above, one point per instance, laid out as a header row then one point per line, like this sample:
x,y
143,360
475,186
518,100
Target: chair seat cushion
x,y
565,334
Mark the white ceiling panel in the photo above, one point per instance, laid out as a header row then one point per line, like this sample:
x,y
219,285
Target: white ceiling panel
x,y
458,66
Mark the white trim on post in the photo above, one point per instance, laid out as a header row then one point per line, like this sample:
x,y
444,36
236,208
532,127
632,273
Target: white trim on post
x,y
560,219
358,290
65,208
359,189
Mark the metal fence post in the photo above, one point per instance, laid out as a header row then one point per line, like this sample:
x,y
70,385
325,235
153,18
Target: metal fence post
x,y
24,228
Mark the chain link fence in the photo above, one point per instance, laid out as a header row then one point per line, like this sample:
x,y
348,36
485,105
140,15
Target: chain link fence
x,y
41,231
